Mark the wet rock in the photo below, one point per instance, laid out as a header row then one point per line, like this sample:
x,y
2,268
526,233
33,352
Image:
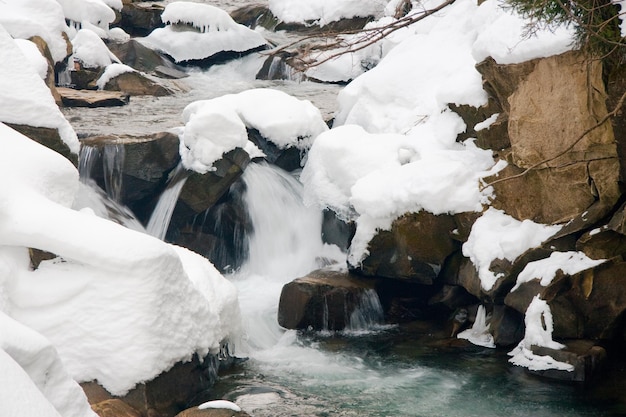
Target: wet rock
x,y
453,297
114,408
335,231
48,137
142,58
144,163
137,84
288,159
141,18
322,300
506,326
167,394
590,304
87,98
277,67
414,249
586,357
201,191
254,15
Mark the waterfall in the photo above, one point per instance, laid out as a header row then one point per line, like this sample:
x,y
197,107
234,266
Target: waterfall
x,y
368,314
160,219
86,160
112,164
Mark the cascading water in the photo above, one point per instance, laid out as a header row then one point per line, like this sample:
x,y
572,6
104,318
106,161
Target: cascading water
x,y
112,163
162,214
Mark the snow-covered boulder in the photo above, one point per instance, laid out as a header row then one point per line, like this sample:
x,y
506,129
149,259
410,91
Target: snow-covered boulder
x,y
27,103
198,33
323,12
119,306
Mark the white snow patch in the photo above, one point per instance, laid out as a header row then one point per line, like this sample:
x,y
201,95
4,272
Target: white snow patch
x,y
34,59
215,32
539,327
496,235
24,97
545,270
485,124
112,71
220,404
323,12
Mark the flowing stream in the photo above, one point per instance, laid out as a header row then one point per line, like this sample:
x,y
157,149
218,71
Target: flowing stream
x,y
370,371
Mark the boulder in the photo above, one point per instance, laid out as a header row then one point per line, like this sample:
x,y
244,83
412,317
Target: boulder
x,y
506,326
322,300
88,98
114,408
167,394
48,137
414,249
144,163
142,58
136,84
141,18
586,357
288,159
500,81
590,304
254,15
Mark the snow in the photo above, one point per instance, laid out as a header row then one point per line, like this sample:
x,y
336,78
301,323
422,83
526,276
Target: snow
x,y
214,127
479,334
496,235
323,12
119,306
90,12
110,72
24,19
545,270
24,97
33,57
485,124
32,369
622,21
220,404
539,327
215,32
90,50
375,178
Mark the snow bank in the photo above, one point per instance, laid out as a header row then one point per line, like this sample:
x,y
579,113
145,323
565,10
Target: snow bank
x,y
24,19
24,97
375,178
539,328
31,367
96,13
214,127
545,269
215,32
323,12
34,59
119,306
434,64
496,235
90,50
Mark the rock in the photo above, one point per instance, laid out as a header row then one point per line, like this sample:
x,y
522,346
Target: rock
x,y
87,98
335,231
139,19
82,78
500,81
277,67
602,243
322,300
42,45
586,357
494,137
254,15
114,408
144,164
453,297
48,137
506,326
167,394
37,256
288,159
590,304
137,84
142,58
201,191
414,249
562,114
211,412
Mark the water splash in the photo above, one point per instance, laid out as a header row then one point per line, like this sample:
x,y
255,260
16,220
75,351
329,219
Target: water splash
x,y
162,215
368,314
